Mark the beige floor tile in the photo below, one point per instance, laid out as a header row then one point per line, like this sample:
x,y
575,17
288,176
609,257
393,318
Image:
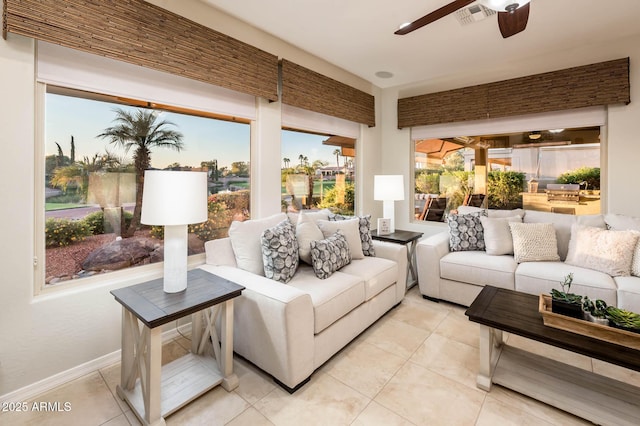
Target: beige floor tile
x,y
364,367
457,327
121,420
111,376
452,359
250,417
376,414
171,351
395,336
426,398
422,314
535,408
131,417
89,401
551,352
616,372
184,342
216,407
495,412
254,384
322,401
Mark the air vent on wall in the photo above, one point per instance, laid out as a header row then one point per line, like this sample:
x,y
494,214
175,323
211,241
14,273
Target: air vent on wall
x,y
473,13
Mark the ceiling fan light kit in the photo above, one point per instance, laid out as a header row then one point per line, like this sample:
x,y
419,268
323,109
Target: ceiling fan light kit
x,y
503,5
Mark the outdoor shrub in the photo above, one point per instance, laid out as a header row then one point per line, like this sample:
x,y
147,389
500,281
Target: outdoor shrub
x,y
235,201
330,200
95,221
590,175
427,182
62,232
504,188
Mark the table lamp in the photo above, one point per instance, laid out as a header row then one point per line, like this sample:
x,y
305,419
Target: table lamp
x,y
174,199
388,188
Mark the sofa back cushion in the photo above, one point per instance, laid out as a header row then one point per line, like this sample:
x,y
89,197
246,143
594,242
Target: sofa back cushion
x,y
245,240
534,242
497,235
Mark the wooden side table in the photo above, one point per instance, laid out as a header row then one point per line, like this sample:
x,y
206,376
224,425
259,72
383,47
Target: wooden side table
x,y
409,239
154,391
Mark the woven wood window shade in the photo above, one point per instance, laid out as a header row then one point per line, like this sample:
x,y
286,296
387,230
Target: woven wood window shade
x,y
598,84
312,91
143,34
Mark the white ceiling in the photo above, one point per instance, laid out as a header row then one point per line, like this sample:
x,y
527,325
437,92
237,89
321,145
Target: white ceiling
x,y
357,35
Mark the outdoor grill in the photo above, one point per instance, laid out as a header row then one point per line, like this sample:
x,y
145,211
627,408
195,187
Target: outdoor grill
x,y
566,193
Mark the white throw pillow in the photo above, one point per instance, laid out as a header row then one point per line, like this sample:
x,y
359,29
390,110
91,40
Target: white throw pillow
x,y
534,242
603,250
245,240
307,231
351,230
497,235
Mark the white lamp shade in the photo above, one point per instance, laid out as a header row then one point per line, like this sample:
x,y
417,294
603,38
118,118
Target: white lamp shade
x,y
501,5
174,197
388,187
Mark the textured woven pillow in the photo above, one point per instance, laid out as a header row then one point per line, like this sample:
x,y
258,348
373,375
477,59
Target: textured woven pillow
x,y
365,231
306,231
466,232
534,242
329,255
280,252
497,235
606,251
350,230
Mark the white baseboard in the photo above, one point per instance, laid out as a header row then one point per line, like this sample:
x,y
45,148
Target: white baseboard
x,y
30,391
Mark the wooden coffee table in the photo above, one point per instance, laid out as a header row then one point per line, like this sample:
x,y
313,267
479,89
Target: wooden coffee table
x,y
588,395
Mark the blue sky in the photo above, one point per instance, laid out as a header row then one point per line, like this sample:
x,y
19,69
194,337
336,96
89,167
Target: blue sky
x,y
204,139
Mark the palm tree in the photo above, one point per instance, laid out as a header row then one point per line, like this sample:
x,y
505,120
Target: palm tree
x,y
142,131
337,153
301,158
286,162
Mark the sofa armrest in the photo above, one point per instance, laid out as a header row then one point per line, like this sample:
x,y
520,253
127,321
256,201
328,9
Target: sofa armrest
x,y
219,252
273,325
397,253
428,253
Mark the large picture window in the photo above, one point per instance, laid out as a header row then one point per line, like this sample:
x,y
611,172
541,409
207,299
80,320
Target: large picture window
x,y
555,170
96,147
317,172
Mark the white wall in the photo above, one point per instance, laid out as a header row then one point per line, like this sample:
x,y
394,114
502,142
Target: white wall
x,y
622,132
49,334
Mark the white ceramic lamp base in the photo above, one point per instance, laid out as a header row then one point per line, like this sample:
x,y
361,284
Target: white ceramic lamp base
x,y
175,258
388,213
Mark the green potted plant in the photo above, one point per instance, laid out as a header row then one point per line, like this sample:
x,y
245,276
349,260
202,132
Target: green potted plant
x,y
623,319
595,311
565,303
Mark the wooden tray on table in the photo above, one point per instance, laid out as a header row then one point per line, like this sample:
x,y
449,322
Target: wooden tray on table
x,y
586,328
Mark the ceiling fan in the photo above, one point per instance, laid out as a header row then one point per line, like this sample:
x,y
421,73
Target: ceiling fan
x,y
512,15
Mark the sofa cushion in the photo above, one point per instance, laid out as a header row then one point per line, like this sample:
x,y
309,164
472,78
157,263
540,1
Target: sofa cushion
x,y
497,235
332,298
621,222
479,268
628,293
604,250
280,251
491,212
245,240
377,273
534,242
351,230
465,231
541,277
329,255
306,231
365,231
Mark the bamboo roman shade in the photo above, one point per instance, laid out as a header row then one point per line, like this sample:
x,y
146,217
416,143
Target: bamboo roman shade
x,y
143,34
312,91
598,84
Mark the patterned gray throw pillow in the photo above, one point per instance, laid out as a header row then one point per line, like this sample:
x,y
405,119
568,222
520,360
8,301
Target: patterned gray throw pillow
x,y
365,231
329,255
280,251
466,232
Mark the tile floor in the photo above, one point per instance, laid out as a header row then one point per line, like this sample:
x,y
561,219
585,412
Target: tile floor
x,y
415,366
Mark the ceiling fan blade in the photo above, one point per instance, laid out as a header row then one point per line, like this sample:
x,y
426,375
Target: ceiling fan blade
x,y
434,16
512,23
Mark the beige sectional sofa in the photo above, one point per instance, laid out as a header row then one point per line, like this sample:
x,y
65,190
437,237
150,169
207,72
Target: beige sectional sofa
x,y
458,276
289,330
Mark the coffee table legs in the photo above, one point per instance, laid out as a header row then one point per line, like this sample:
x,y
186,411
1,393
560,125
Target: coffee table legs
x,y
490,347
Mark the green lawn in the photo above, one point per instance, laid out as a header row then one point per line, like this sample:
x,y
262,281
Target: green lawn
x,y
317,186
62,206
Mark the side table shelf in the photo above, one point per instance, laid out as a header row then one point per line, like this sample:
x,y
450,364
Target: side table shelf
x,y
154,391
